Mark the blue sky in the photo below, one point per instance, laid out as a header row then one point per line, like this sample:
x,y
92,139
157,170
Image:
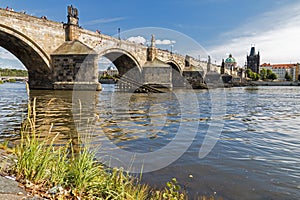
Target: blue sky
x,y
220,26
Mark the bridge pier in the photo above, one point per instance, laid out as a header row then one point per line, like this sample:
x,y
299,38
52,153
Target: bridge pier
x,y
40,80
75,67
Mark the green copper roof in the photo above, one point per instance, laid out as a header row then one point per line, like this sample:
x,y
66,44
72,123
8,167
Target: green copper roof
x,y
230,59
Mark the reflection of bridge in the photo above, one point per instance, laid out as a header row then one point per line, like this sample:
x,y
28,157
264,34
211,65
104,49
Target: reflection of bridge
x,y
56,54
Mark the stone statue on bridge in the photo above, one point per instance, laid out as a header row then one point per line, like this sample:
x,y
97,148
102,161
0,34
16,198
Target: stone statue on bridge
x,y
72,15
72,12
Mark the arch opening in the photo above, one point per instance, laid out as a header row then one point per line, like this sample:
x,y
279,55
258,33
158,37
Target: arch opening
x,y
122,60
35,61
129,70
177,78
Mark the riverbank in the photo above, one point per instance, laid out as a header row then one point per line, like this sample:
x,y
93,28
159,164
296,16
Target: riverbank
x,y
261,83
275,83
9,188
25,174
108,81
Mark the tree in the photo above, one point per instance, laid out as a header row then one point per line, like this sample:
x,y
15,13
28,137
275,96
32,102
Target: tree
x,y
269,72
270,75
255,76
250,74
273,76
13,72
263,74
288,77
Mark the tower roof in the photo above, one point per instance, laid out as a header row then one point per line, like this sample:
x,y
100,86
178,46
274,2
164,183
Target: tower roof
x,y
230,59
252,51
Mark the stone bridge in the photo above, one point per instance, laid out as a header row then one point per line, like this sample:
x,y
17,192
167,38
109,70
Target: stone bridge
x,y
59,55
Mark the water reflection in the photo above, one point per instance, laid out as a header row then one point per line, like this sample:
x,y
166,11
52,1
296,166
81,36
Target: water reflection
x,y
140,117
13,107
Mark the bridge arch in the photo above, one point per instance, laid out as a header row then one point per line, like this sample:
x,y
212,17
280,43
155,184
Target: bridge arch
x,y
33,57
177,78
174,65
122,59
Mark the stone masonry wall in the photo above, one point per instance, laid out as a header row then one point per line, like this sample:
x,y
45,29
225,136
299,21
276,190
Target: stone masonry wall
x,y
49,35
71,68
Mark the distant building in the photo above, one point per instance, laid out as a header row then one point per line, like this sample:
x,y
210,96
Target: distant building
x,y
253,60
230,64
281,69
111,71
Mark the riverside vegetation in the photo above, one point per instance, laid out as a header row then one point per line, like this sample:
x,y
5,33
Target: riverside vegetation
x,y
13,72
57,172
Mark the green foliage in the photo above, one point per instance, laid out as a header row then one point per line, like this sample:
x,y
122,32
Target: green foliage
x,y
263,74
170,192
13,72
4,144
269,72
266,74
273,76
288,77
107,76
250,74
83,172
255,76
12,80
34,156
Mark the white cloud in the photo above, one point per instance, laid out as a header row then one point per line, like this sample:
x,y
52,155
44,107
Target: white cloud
x,y
103,21
276,34
4,54
8,60
142,40
165,42
137,39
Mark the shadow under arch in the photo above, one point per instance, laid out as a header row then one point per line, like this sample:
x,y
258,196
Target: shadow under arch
x,y
177,78
122,59
33,57
174,65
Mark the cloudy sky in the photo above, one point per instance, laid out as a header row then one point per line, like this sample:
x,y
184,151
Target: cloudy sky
x,y
219,27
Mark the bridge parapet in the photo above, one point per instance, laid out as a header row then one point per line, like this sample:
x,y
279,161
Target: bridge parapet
x,y
168,57
102,44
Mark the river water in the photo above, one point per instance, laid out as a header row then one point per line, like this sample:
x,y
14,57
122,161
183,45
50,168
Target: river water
x,y
256,156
